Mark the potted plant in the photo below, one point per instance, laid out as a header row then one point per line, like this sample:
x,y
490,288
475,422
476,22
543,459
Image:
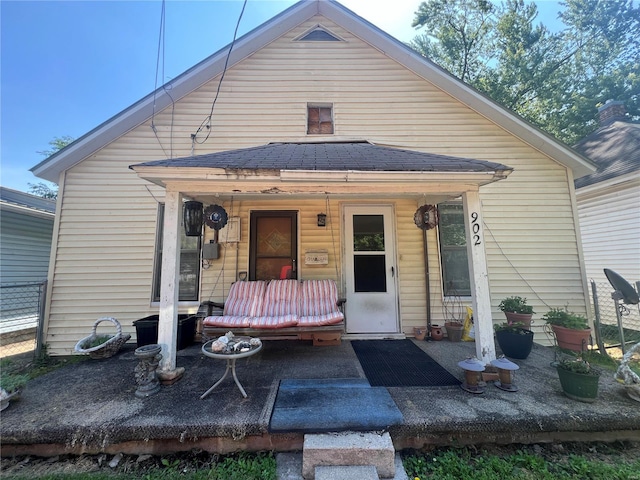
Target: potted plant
x,y
517,311
514,340
578,379
10,386
572,331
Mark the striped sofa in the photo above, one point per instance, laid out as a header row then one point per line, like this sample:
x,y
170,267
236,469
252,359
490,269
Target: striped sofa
x,y
279,309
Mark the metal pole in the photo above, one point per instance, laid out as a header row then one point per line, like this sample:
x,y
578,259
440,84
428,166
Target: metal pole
x,y
617,295
596,311
41,308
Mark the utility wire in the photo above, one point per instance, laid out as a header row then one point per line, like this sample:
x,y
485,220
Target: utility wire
x,y
161,57
513,266
206,123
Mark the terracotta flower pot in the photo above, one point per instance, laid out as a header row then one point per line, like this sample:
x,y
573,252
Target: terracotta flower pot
x,y
419,332
570,339
523,318
436,332
454,331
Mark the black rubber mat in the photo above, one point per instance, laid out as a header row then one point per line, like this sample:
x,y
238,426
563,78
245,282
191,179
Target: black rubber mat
x,y
400,363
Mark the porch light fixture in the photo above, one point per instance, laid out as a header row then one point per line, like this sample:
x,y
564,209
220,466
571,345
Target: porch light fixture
x,y
506,374
473,369
193,218
322,219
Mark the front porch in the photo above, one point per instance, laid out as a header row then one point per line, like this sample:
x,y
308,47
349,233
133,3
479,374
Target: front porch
x,y
91,407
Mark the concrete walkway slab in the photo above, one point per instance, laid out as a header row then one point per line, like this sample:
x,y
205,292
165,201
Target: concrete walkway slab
x,y
91,407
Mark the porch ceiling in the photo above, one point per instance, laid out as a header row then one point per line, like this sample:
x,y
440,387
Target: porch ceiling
x,y
320,168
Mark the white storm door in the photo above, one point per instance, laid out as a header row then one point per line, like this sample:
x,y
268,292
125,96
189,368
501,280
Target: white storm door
x,y
372,305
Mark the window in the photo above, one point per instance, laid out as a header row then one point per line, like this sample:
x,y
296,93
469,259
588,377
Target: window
x,y
189,263
319,119
453,250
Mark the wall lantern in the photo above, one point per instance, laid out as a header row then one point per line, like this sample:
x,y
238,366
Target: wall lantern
x,y
322,219
473,369
506,374
193,218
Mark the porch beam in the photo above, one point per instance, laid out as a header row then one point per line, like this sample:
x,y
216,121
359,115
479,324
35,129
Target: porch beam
x,y
169,283
272,189
481,296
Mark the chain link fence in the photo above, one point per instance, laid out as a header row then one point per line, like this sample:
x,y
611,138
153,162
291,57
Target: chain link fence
x,y
21,314
610,334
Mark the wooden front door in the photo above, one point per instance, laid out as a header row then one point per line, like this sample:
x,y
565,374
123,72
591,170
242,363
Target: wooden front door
x,y
273,250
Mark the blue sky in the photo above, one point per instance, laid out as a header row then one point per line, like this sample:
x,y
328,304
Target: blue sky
x,y
67,66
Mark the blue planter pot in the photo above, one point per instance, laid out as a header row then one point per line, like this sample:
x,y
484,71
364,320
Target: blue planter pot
x,y
515,345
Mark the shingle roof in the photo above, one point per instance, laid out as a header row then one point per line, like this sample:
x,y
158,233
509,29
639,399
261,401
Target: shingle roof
x,y
615,148
358,156
26,200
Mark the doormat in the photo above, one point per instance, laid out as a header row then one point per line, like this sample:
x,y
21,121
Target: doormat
x,y
400,363
332,405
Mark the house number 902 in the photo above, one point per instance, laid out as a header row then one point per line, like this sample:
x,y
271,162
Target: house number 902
x,y
475,227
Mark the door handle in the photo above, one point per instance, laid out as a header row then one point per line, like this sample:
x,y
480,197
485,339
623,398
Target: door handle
x,y
393,272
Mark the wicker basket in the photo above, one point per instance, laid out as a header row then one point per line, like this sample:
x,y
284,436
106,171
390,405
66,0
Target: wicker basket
x,y
106,349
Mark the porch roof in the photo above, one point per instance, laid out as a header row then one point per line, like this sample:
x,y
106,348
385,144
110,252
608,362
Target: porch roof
x,y
359,156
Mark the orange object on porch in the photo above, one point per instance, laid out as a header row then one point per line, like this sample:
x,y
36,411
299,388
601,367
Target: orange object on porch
x,y
285,272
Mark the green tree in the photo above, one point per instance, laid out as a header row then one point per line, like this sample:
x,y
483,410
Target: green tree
x,y
556,80
44,190
57,144
50,190
460,35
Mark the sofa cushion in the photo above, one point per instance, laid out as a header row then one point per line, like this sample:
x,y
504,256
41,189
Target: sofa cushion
x,y
245,299
227,321
321,320
318,297
271,322
280,298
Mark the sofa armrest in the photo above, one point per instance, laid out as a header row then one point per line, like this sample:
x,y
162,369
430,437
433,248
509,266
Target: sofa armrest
x,y
205,308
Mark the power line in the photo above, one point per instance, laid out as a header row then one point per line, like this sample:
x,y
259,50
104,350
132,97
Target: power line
x,y
206,123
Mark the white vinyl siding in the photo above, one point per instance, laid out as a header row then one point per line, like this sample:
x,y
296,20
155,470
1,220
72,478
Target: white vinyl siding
x,y
610,229
25,246
105,249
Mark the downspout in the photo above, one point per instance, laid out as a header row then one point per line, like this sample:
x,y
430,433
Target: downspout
x,y
426,278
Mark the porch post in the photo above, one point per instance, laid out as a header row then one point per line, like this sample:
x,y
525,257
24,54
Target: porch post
x,y
169,282
481,297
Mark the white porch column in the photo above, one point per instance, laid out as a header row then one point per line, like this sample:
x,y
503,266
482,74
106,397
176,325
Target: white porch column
x,y
483,323
169,283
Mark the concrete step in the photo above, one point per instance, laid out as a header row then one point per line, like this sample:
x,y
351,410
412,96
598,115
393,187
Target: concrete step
x,y
363,472
348,449
289,467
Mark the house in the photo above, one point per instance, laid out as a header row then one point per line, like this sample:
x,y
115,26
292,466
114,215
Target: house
x,y
25,245
609,199
323,154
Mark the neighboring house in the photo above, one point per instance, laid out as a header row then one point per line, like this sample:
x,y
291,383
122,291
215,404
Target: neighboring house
x,y
319,112
609,199
26,228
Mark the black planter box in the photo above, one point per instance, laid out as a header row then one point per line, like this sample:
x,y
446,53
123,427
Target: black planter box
x,y
147,330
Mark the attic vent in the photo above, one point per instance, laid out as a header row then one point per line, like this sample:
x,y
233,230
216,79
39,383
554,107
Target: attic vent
x,y
318,34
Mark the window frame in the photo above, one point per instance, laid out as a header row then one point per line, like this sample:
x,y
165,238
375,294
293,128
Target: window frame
x,y
445,250
157,267
320,107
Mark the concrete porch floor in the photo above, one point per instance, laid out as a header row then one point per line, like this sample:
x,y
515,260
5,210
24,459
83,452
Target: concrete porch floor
x,y
91,407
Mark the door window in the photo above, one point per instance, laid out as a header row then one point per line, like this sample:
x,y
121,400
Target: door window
x,y
369,265
273,249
